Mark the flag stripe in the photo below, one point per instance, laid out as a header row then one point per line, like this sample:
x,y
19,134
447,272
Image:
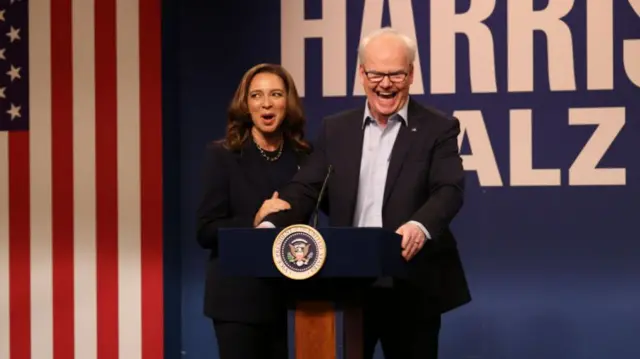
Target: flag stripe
x,y
106,179
19,248
4,246
62,179
128,86
84,170
81,183
40,161
151,178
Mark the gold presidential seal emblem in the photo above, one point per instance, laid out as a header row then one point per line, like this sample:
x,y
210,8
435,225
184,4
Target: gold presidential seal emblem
x,y
299,252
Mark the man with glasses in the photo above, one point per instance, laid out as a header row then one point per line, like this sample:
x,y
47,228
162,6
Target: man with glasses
x,y
395,165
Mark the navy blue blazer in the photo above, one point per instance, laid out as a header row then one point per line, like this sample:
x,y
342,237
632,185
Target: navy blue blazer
x,y
235,184
425,183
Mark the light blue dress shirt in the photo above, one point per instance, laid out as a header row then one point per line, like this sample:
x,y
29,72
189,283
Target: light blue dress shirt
x,y
377,145
376,153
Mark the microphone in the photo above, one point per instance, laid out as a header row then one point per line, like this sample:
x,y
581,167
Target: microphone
x,y
324,186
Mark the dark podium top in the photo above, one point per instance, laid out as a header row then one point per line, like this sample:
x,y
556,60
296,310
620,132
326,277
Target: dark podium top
x,y
357,253
355,258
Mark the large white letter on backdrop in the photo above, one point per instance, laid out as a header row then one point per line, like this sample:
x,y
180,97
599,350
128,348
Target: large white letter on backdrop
x,y
332,29
445,23
632,52
599,44
609,123
521,154
522,20
482,160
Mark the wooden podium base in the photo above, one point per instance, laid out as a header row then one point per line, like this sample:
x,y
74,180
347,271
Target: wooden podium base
x,y
318,336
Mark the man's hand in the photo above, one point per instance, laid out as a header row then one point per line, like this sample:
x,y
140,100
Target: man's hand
x,y
272,205
413,239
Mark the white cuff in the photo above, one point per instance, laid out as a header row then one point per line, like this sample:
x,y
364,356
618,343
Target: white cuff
x,y
424,230
266,225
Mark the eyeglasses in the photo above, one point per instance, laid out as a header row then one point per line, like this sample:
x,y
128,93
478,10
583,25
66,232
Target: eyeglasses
x,y
375,76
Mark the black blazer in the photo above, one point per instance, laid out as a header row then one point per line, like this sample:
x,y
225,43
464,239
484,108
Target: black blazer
x,y
235,186
425,183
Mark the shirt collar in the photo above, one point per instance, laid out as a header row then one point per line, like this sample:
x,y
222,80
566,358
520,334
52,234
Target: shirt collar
x,y
402,114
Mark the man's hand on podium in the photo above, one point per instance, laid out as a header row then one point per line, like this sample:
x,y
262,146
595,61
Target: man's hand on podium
x,y
413,238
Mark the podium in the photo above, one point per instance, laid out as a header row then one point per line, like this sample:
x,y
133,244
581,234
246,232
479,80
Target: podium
x,y
327,306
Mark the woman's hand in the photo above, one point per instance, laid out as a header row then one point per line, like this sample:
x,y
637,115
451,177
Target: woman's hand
x,y
272,205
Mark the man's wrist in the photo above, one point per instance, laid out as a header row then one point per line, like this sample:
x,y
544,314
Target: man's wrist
x,y
265,224
424,230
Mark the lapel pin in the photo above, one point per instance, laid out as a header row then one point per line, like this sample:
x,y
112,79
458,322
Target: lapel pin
x,y
413,129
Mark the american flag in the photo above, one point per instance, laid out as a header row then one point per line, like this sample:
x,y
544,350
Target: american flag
x,y
80,180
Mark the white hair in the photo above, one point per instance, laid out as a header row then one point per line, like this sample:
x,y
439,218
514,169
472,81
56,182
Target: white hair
x,y
410,44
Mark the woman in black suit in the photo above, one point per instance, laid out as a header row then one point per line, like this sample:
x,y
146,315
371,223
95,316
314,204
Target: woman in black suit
x,y
262,150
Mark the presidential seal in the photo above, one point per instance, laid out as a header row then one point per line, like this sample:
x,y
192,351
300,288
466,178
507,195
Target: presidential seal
x,y
299,252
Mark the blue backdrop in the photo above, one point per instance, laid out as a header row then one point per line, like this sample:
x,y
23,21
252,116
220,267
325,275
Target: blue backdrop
x,y
553,255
